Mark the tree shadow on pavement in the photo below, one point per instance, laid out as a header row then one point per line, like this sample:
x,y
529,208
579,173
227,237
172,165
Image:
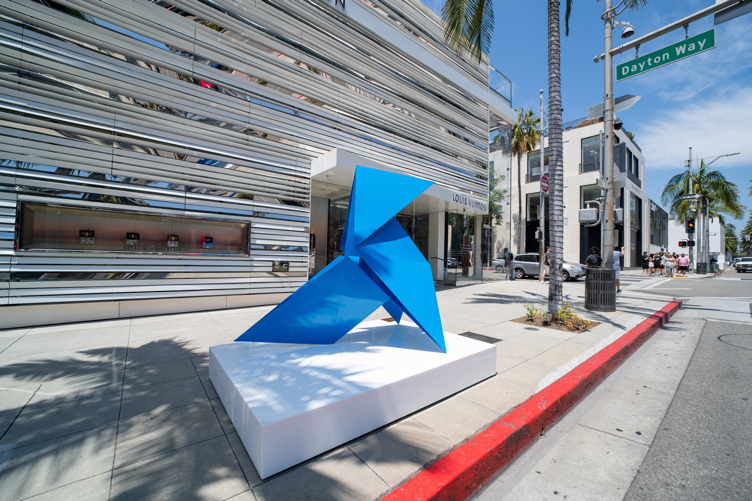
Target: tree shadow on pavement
x,y
145,423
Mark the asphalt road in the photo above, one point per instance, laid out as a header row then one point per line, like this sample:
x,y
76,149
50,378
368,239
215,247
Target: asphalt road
x,y
703,448
673,422
730,284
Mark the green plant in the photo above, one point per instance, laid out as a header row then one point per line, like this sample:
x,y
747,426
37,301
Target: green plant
x,y
532,312
566,317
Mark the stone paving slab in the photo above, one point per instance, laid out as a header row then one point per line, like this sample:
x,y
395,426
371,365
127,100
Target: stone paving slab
x,y
124,409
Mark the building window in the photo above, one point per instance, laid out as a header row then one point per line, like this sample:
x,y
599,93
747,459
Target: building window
x,y
629,161
589,193
533,204
633,168
62,228
658,226
533,164
591,154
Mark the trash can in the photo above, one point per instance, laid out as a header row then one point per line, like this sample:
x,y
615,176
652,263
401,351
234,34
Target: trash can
x,y
702,268
600,289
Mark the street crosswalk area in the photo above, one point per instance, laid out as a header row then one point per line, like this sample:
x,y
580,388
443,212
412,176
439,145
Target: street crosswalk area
x,y
635,280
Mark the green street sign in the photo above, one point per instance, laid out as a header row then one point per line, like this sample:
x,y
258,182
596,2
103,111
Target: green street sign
x,y
675,52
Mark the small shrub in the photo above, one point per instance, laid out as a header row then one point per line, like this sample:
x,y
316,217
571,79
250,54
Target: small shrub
x,y
570,320
532,312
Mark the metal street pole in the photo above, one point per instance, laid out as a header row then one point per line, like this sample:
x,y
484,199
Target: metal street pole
x,y
542,198
691,192
705,238
608,124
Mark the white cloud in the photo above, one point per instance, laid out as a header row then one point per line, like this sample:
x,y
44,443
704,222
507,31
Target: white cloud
x,y
684,80
718,125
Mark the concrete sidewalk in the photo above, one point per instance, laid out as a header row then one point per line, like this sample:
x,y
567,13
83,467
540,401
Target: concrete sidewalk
x,y
124,409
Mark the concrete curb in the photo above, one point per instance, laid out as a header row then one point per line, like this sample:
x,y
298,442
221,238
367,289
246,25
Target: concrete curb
x,y
467,467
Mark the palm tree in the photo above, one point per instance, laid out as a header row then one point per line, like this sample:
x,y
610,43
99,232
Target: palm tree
x,y
525,137
719,195
468,25
746,237
730,240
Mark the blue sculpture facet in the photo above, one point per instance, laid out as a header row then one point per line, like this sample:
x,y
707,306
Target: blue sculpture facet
x,y
381,267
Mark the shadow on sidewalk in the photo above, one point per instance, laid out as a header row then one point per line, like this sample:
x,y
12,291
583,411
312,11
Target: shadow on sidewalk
x,y
154,410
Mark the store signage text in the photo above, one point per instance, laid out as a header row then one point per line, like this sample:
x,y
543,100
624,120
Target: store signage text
x,y
469,202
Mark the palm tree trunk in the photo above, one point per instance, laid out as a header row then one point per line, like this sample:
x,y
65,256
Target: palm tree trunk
x,y
520,224
555,141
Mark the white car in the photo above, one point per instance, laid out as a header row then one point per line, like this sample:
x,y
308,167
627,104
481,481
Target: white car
x,y
744,265
528,265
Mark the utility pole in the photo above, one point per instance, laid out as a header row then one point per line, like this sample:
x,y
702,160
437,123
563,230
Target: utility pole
x,y
541,195
608,124
609,21
691,192
703,252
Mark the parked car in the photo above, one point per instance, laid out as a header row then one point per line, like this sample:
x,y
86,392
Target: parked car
x,y
527,265
744,265
499,264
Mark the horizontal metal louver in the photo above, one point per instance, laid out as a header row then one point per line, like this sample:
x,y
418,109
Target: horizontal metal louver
x,y
210,110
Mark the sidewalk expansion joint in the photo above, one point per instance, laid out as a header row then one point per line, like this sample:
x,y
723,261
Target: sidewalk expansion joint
x,y
615,435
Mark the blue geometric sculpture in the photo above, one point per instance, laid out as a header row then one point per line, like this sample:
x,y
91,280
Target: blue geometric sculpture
x,y
381,266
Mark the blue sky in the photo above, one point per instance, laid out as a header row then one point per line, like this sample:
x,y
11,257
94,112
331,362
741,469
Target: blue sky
x,y
704,101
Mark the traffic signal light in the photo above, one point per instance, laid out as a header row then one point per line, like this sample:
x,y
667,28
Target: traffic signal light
x,y
690,243
682,243
690,225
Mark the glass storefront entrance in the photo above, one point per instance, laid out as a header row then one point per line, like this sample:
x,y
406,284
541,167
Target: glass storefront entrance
x,y
460,233
447,240
415,225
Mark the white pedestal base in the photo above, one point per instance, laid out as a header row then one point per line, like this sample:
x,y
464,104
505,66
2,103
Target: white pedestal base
x,y
290,402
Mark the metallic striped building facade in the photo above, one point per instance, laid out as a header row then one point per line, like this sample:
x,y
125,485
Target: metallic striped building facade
x,y
155,156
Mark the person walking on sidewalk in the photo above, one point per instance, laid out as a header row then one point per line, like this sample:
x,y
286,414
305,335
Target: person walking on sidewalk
x,y
669,265
617,266
644,263
683,262
509,263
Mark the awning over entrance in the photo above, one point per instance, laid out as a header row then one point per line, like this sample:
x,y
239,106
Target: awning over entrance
x,y
332,175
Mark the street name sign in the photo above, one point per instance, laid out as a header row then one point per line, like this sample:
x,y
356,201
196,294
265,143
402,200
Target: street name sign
x,y
674,52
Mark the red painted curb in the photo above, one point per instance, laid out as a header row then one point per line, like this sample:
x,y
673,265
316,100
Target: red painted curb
x,y
467,467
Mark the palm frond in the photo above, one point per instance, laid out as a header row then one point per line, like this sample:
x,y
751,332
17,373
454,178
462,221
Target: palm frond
x,y
567,15
468,25
453,13
635,4
480,25
719,194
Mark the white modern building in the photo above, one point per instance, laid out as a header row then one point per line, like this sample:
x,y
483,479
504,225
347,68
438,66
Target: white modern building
x,y
659,227
582,174
716,231
159,157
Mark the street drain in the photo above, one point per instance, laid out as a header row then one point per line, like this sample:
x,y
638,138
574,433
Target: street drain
x,y
480,337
